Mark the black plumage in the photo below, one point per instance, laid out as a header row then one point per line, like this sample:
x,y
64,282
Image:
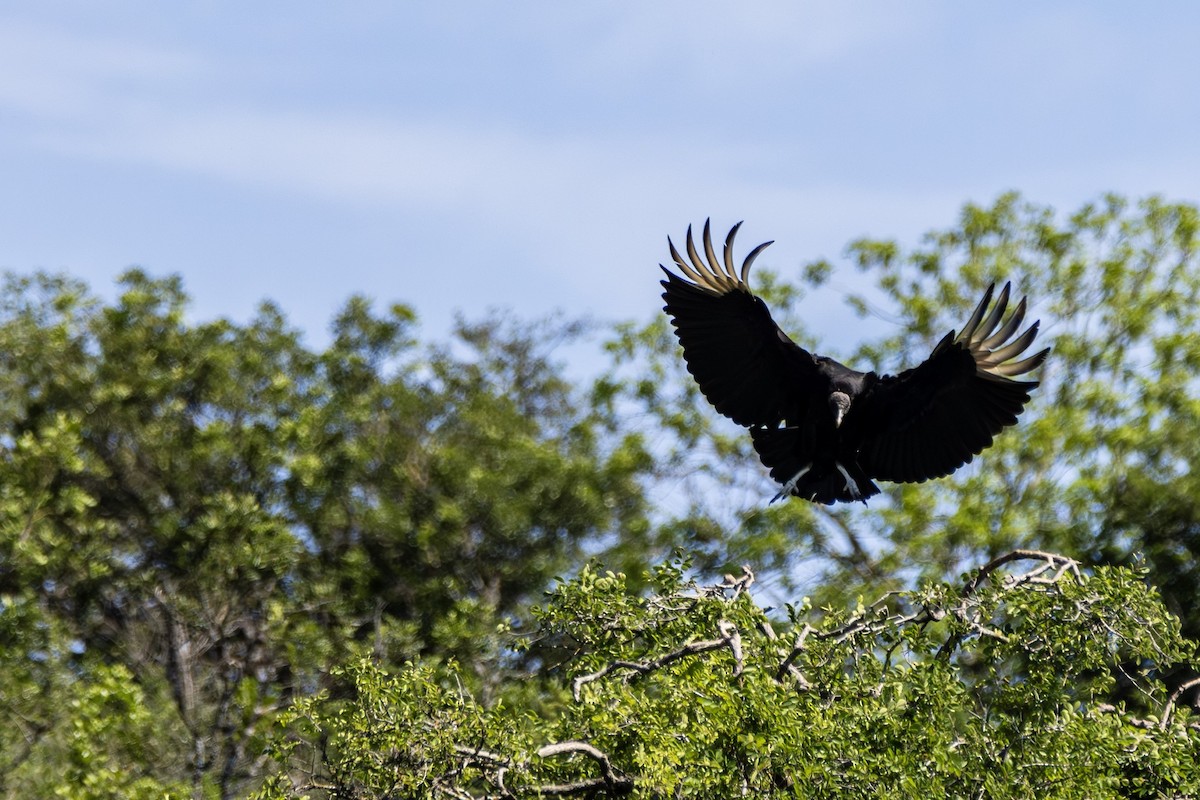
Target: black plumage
x,y
825,431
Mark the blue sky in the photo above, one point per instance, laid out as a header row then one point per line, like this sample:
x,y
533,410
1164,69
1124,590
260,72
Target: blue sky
x,y
535,155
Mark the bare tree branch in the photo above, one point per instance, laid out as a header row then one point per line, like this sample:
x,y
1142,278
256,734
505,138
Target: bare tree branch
x,y
484,757
876,618
729,638
615,783
1169,708
786,666
738,585
1060,563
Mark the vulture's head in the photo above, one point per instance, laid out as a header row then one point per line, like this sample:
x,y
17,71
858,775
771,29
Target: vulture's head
x,y
839,404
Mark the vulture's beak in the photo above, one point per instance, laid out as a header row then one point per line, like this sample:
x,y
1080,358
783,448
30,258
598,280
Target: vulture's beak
x,y
839,403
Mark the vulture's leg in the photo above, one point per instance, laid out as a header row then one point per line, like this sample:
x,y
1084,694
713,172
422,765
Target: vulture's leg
x,y
791,484
850,484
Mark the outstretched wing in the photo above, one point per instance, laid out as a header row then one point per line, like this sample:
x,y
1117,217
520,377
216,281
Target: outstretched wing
x,y
928,421
745,365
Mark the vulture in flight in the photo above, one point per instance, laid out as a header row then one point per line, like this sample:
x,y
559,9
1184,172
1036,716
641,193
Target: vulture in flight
x,y
826,431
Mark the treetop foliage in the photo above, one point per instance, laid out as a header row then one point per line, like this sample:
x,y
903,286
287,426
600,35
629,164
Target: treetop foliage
x,y
996,686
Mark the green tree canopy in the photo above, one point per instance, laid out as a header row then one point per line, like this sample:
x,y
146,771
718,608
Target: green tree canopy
x,y
994,687
226,514
206,527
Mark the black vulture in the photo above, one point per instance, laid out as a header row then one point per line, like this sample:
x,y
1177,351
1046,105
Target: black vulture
x,y
825,431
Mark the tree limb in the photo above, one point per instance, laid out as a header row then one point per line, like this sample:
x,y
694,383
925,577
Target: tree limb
x,y
729,638
1062,563
1169,708
615,783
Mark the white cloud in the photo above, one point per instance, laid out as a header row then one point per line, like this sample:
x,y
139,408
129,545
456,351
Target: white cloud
x,y
586,133
720,47
55,75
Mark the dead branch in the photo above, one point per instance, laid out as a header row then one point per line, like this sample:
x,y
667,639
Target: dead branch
x,y
1053,561
786,666
729,638
1169,708
737,585
481,756
1139,722
876,618
496,766
616,784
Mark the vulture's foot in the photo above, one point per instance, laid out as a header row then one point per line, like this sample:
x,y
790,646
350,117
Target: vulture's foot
x,y
791,484
855,492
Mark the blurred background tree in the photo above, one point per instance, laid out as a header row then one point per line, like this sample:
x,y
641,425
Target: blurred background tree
x,y
227,514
